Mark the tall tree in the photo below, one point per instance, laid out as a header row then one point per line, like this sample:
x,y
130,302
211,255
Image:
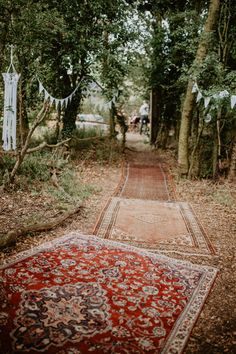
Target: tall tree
x,y
206,38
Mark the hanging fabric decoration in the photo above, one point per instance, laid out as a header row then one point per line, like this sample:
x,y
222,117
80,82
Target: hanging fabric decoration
x,y
10,106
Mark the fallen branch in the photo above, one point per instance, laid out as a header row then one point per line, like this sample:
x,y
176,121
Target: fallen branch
x,y
45,144
11,237
89,138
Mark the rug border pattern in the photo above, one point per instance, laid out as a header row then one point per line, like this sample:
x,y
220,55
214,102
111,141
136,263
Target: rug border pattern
x,y
179,335
203,246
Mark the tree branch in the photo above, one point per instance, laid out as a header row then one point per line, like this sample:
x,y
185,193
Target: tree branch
x,y
11,237
45,144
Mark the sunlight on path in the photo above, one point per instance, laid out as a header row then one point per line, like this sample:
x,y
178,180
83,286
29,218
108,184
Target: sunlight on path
x,y
137,142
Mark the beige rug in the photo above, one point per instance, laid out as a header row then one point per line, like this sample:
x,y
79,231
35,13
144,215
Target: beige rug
x,y
154,225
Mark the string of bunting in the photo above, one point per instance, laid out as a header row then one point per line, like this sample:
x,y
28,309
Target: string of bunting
x,y
91,90
57,101
207,99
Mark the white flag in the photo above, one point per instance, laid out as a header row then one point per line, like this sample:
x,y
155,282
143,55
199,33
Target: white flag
x,y
46,95
206,101
233,101
223,94
41,88
51,99
199,96
195,88
56,102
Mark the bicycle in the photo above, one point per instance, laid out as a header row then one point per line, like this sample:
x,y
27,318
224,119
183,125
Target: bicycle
x,y
144,126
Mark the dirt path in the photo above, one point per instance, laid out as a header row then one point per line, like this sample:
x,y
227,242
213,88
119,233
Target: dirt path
x,y
214,205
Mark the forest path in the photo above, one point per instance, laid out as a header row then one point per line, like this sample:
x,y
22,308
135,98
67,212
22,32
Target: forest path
x,y
200,232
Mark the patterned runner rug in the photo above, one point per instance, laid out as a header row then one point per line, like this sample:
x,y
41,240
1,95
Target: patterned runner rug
x,y
82,294
145,182
154,225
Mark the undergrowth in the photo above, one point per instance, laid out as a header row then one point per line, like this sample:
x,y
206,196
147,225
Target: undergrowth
x,y
71,190
36,171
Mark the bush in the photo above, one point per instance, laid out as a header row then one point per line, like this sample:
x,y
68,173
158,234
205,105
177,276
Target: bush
x,y
71,189
34,167
7,164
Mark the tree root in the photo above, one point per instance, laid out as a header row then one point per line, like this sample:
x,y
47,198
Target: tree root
x,y
11,237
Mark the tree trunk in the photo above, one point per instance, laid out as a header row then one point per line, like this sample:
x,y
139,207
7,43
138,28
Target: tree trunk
x,y
23,116
194,164
154,115
69,117
183,153
112,121
3,42
232,168
40,117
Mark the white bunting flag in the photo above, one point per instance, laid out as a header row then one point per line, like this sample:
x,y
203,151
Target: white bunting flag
x,y
206,101
233,101
46,95
199,96
195,88
41,88
51,99
223,94
56,103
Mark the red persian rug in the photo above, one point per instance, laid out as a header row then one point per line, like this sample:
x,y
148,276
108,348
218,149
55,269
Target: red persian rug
x,y
145,182
155,225
82,294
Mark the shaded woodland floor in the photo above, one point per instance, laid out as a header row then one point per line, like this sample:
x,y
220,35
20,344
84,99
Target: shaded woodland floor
x,y
213,202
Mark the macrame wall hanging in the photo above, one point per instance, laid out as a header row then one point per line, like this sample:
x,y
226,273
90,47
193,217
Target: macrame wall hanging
x,y
10,106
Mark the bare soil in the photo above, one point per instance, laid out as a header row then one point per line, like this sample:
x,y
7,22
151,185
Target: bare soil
x,y
213,202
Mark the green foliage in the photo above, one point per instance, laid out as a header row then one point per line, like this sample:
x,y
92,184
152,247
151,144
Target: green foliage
x,y
71,189
34,167
6,165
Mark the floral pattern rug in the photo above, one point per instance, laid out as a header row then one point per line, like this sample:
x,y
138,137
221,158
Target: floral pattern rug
x,y
83,294
169,227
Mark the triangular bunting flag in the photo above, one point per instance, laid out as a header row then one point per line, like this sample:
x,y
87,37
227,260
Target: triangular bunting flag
x,y
41,88
223,94
51,99
199,96
233,101
56,102
206,101
195,88
46,95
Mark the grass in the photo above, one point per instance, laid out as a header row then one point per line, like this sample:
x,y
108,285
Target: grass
x,y
71,190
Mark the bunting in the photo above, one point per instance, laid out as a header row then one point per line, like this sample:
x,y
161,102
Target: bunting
x,y
91,90
218,95
57,102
